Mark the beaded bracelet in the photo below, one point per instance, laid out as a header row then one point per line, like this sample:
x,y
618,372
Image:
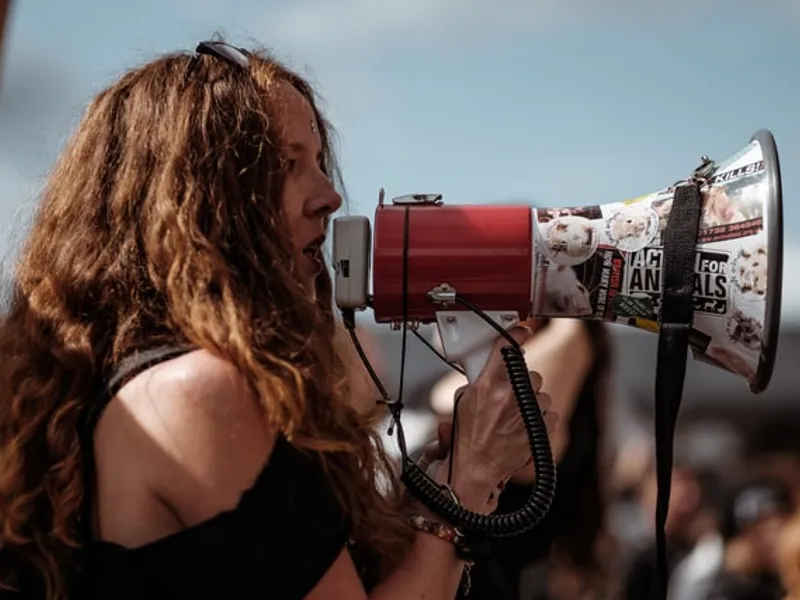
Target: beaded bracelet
x,y
448,534
443,532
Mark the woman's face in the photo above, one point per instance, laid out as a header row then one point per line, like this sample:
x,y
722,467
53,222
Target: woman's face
x,y
309,197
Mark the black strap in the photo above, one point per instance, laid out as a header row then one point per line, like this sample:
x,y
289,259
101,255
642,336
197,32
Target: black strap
x,y
677,314
127,369
137,363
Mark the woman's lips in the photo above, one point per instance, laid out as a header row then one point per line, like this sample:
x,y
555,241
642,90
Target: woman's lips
x,y
313,259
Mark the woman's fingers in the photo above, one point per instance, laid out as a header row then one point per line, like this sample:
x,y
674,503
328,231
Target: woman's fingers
x,y
551,420
430,454
545,405
536,381
495,368
545,401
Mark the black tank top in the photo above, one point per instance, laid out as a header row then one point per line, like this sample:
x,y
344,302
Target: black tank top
x,y
277,543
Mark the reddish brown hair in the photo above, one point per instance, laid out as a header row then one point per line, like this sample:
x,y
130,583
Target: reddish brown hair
x,y
162,223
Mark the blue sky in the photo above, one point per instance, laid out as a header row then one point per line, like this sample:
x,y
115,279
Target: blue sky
x,y
555,102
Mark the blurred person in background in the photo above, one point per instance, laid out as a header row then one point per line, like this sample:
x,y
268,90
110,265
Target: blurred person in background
x,y
782,466
632,463
694,547
789,557
569,555
177,418
752,517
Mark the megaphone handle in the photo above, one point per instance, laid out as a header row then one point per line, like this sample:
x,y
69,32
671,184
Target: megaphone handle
x,y
468,340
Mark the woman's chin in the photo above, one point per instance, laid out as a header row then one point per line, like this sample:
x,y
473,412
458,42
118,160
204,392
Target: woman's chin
x,y
309,285
307,272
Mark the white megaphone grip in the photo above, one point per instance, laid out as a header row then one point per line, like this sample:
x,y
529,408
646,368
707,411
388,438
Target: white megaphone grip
x,y
468,340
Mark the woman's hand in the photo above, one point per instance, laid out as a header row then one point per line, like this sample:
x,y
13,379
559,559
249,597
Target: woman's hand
x,y
491,442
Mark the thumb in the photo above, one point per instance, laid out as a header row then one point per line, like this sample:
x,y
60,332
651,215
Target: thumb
x,y
495,367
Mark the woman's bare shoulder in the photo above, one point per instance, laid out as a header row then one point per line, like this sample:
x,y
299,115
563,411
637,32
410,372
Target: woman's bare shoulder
x,y
198,432
199,429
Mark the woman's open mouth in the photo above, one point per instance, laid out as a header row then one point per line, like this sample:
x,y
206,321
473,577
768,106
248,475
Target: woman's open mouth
x,y
313,255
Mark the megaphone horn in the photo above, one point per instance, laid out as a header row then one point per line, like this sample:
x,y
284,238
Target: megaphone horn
x,y
601,262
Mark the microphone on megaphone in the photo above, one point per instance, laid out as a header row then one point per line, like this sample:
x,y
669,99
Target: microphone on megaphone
x,y
478,270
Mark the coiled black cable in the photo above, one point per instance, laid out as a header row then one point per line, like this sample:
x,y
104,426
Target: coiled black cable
x,y
437,499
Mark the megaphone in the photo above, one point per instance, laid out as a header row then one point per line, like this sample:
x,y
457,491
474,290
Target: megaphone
x,y
601,262
478,270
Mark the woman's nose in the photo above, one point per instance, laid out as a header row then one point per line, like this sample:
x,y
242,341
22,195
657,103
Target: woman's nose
x,y
323,203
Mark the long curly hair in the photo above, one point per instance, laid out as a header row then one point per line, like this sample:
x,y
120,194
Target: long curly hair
x,y
162,223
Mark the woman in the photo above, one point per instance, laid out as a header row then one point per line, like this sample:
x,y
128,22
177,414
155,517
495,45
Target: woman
x,y
174,418
567,555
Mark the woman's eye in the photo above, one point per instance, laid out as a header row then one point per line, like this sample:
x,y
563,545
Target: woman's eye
x,y
291,165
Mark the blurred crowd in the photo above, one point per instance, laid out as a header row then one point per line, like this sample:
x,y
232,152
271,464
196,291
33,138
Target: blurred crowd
x,y
733,529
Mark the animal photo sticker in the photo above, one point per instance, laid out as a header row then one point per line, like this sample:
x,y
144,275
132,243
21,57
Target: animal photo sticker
x,y
744,330
718,209
564,294
734,209
662,205
632,227
750,270
569,240
585,290
733,206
